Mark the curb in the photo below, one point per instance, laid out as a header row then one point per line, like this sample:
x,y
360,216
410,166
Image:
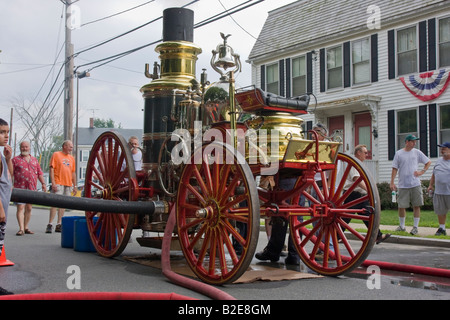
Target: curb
x,y
417,241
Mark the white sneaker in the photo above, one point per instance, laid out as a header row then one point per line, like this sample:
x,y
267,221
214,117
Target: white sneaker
x,y
399,228
414,231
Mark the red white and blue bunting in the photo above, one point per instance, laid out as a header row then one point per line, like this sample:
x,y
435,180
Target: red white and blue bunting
x,y
429,85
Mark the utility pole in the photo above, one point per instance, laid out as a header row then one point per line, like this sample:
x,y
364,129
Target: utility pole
x,y
68,80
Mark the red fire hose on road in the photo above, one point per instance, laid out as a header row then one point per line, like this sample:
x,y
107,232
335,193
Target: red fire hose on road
x,y
192,284
436,272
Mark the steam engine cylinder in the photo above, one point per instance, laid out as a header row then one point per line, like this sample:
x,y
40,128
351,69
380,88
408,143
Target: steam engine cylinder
x,y
178,56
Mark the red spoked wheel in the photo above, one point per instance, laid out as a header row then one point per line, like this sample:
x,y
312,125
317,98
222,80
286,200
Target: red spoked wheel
x,y
110,175
322,237
217,214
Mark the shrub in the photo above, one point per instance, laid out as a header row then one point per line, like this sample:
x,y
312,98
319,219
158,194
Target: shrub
x,y
385,193
386,196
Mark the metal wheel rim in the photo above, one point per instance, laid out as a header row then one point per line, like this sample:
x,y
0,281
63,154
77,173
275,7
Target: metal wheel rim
x,y
345,256
111,161
209,249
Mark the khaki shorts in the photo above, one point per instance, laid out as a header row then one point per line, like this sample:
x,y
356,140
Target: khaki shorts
x,y
441,204
64,190
410,197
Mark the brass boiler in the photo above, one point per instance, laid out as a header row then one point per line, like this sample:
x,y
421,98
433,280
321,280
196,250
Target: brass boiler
x,y
171,101
279,128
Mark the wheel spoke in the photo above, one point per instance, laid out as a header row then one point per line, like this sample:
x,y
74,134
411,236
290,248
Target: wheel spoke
x,y
213,190
108,172
331,208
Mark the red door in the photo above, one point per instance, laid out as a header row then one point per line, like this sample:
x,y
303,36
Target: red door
x,y
363,131
336,129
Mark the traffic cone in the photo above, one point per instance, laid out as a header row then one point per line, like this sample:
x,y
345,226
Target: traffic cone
x,y
3,261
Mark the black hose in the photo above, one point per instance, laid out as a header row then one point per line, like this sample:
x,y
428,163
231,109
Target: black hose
x,y
84,204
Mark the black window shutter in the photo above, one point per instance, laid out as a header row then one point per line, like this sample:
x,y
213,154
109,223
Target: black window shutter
x,y
288,77
263,77
346,64
322,70
423,129
374,57
309,72
281,77
423,46
432,44
433,130
391,134
391,54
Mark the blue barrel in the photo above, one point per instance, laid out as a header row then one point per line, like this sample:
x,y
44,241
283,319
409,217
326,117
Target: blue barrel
x,y
81,237
67,229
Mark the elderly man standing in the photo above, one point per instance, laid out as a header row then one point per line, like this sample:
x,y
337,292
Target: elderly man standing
x,y
406,162
440,182
63,178
26,173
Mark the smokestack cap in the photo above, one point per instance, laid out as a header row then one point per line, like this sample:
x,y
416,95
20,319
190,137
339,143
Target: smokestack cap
x,y
178,24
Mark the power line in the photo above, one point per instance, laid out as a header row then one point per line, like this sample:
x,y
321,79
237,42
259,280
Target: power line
x,y
243,29
127,32
101,62
28,69
118,36
197,25
116,14
226,13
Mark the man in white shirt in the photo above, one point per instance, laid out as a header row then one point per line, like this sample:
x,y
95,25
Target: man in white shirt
x,y
406,162
361,190
440,183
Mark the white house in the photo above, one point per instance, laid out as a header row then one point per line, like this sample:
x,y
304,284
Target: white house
x,y
379,70
87,138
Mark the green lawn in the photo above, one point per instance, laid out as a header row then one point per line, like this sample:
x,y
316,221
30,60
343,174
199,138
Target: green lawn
x,y
427,219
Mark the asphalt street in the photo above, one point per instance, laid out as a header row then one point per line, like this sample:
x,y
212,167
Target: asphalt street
x,y
41,265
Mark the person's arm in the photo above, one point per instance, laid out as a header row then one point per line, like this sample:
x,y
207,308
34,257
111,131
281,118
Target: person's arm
x,y
52,179
418,173
431,185
42,180
393,175
2,213
74,181
7,151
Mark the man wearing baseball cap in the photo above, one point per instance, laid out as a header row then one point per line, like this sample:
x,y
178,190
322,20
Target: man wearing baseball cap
x,y
440,182
406,162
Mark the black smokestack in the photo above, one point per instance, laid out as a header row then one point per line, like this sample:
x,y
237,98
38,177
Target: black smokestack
x,y
178,24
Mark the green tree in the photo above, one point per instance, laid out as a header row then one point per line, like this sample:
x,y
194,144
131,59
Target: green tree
x,y
102,123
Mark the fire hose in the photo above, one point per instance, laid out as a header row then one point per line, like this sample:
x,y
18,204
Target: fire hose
x,y
201,287
145,207
130,207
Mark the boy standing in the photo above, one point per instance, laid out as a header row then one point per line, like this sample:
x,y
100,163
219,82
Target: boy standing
x,y
6,171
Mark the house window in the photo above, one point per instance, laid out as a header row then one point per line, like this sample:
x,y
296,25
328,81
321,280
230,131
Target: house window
x,y
334,67
84,155
361,61
82,172
406,124
407,51
445,123
272,78
444,42
298,76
